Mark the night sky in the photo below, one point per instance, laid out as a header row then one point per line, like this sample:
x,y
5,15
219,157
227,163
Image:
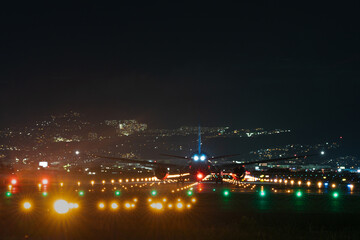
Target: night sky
x,y
257,65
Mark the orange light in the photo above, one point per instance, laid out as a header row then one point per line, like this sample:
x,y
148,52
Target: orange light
x,y
45,181
200,176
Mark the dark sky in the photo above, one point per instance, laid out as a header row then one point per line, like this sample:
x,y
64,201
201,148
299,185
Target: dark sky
x,y
251,65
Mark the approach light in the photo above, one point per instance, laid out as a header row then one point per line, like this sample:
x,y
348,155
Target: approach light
x,y
26,205
196,158
101,205
179,205
200,176
61,206
114,205
202,157
45,181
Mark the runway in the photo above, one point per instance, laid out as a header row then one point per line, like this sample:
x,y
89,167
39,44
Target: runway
x,y
163,209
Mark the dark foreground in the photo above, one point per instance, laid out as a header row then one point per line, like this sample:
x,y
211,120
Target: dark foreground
x,y
242,214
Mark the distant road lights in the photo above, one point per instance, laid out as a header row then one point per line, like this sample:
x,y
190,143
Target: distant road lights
x,y
202,157
196,158
61,206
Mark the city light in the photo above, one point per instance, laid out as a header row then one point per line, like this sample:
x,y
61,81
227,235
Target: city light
x,y
61,206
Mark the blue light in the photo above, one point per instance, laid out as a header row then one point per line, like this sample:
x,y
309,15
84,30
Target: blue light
x,y
196,157
326,184
202,157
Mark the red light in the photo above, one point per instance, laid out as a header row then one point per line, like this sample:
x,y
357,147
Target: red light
x,y
45,181
13,181
200,176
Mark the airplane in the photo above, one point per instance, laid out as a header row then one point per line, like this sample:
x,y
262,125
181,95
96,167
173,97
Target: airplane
x,y
200,165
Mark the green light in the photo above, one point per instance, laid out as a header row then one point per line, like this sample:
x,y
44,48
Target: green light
x,y
226,193
153,192
262,194
299,194
214,189
81,193
44,194
189,193
117,193
8,194
335,195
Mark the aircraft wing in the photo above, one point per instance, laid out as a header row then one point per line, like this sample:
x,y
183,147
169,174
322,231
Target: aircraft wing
x,y
173,156
224,156
143,162
270,160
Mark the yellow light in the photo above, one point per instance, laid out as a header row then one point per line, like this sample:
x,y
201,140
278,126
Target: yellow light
x,y
112,181
103,181
292,182
308,183
299,182
135,200
114,205
39,185
170,205
10,187
157,206
61,184
319,184
179,205
149,200
127,205
101,205
188,206
73,205
61,206
333,185
27,205
193,200
127,180
92,182
164,199
78,183
179,200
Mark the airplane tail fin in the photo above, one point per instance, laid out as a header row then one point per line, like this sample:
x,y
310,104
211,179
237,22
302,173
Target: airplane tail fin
x,y
199,140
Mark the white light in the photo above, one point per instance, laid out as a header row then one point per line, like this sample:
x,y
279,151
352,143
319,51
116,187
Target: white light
x,y
77,152
202,158
322,152
61,206
196,157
